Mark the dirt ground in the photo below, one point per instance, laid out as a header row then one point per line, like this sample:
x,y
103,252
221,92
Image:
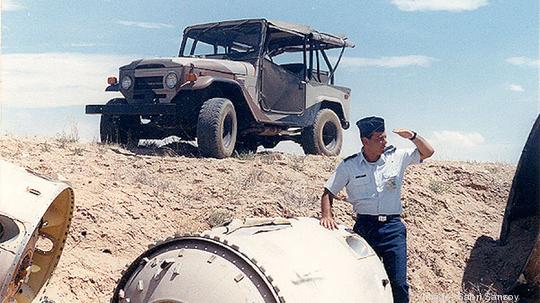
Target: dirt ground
x,y
129,199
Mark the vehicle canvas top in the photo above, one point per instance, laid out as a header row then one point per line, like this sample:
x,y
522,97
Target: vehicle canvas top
x,y
331,41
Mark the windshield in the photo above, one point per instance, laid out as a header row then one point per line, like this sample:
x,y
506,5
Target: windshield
x,y
236,42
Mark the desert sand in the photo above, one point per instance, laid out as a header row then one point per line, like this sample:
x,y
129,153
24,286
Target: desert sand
x,y
127,199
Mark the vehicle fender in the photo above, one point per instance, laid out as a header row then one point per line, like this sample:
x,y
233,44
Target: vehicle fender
x,y
242,97
205,81
337,106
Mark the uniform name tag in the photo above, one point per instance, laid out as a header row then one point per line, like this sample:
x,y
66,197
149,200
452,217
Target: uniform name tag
x,y
361,176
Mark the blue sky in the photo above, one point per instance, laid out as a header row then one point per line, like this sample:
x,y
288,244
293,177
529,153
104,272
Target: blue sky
x,y
462,73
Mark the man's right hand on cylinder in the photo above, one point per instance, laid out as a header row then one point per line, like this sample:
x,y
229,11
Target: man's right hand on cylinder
x,y
328,222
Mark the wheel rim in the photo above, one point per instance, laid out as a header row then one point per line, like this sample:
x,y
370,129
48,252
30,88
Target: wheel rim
x,y
228,129
329,136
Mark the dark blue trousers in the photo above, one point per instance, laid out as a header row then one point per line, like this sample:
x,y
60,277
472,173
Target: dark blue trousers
x,y
389,240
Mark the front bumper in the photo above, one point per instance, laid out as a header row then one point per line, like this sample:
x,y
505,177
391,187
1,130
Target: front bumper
x,y
133,109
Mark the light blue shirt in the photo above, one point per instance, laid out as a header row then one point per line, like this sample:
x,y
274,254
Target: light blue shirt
x,y
374,188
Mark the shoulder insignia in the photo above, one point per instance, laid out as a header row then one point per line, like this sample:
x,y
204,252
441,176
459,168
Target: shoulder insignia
x,y
389,149
350,157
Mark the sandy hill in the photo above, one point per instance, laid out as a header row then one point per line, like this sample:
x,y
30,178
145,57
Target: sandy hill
x,y
128,199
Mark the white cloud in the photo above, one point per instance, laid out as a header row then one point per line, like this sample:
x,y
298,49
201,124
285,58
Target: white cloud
x,y
456,139
389,62
148,25
11,5
467,146
57,79
439,5
524,61
516,88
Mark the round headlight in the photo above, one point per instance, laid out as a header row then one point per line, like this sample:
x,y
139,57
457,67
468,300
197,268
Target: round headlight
x,y
171,80
126,82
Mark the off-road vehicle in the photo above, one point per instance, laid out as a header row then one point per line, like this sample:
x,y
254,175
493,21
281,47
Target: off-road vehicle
x,y
235,85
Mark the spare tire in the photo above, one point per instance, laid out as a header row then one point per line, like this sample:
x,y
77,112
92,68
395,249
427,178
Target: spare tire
x,y
325,136
216,128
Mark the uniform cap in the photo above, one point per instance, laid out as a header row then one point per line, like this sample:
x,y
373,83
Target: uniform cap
x,y
369,125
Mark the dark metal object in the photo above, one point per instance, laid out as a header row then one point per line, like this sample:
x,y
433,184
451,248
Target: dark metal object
x,y
524,202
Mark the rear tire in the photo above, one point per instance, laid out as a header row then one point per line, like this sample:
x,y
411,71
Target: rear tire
x,y
325,136
216,128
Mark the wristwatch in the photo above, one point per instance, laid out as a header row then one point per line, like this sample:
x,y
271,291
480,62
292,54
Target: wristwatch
x,y
413,136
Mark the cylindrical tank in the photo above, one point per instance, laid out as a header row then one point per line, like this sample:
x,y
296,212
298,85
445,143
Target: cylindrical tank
x,y
35,214
523,212
258,260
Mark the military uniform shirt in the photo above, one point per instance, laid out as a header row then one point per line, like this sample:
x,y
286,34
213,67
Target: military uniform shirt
x,y
374,188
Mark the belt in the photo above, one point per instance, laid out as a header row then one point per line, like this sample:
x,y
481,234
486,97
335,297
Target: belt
x,y
378,218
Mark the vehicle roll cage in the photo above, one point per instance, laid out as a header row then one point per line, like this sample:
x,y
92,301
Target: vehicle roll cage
x,y
288,38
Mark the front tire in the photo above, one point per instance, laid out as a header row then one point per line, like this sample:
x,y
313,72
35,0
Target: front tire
x,y
217,128
120,130
246,146
325,136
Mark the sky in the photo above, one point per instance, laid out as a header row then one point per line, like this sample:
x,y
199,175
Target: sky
x,y
461,73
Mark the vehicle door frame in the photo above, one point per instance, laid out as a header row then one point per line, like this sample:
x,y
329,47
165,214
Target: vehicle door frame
x,y
302,80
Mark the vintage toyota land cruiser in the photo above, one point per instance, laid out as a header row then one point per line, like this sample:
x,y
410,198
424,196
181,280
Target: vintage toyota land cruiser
x,y
235,85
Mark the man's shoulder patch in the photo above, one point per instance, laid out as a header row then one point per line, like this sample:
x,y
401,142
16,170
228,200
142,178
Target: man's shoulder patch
x,y
350,157
389,149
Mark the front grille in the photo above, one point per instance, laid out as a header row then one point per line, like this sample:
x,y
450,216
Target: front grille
x,y
149,82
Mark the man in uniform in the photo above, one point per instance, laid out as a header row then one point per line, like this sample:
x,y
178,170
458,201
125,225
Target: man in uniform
x,y
373,179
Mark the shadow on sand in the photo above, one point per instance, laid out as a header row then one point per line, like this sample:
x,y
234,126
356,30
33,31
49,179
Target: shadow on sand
x,y
495,269
173,148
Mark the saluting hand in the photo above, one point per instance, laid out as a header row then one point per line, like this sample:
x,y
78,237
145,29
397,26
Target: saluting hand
x,y
404,133
424,148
